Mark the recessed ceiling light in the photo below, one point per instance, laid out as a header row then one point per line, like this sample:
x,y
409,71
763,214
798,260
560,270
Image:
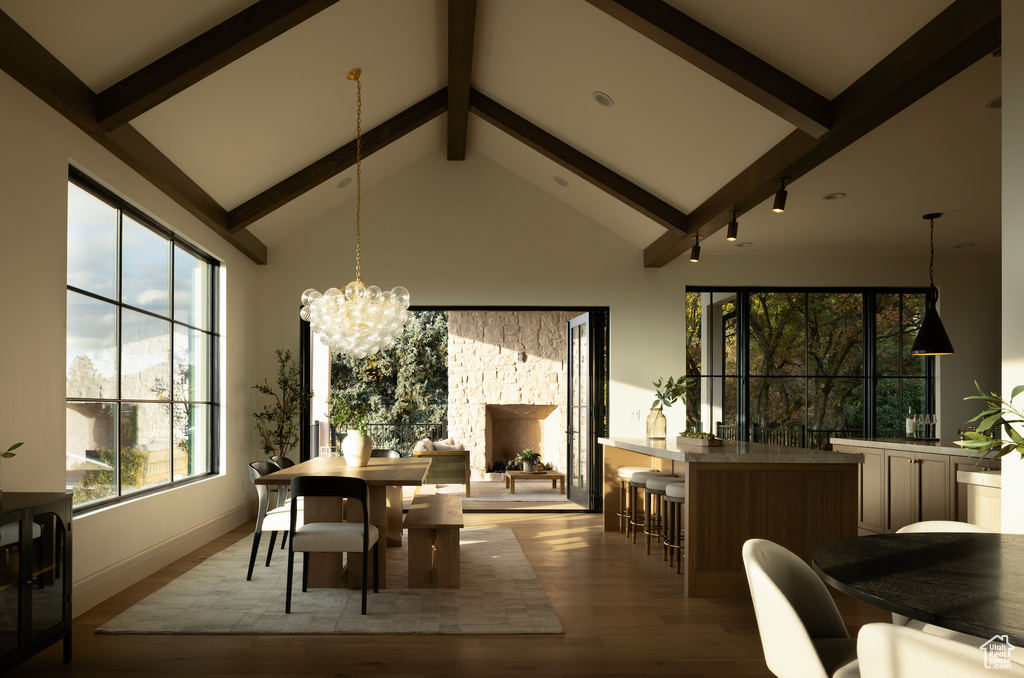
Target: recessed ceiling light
x,y
344,182
833,196
560,181
995,103
745,243
963,245
603,99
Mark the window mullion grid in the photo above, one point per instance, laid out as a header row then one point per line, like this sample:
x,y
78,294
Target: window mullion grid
x,y
743,365
807,362
120,348
868,368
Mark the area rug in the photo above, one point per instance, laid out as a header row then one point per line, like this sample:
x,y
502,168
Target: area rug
x,y
500,594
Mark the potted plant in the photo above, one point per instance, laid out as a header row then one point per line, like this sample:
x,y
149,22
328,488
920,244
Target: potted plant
x,y
998,415
666,392
352,415
528,458
278,422
7,455
698,439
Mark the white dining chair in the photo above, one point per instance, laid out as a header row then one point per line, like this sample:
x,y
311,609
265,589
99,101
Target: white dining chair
x,y
802,632
891,651
331,537
267,519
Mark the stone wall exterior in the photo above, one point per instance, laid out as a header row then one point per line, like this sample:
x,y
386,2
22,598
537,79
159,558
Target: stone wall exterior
x,y
485,368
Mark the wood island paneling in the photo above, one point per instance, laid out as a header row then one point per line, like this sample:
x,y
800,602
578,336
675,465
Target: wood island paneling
x,y
798,498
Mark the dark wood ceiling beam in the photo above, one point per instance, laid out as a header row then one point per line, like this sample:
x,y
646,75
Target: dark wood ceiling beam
x,y
200,57
958,37
41,73
725,61
337,161
582,165
461,31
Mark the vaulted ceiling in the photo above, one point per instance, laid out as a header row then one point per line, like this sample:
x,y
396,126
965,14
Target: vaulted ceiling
x,y
242,113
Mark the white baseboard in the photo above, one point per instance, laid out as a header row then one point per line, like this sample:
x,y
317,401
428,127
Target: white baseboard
x,y
103,584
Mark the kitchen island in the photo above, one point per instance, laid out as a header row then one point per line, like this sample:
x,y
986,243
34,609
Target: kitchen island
x,y
796,497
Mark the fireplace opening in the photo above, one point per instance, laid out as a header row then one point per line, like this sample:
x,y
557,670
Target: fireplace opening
x,y
514,428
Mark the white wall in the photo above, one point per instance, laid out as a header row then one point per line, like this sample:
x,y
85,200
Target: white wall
x,y
1013,245
472,233
115,546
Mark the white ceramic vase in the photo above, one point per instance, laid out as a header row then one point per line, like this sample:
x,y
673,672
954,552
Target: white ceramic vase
x,y
528,467
357,448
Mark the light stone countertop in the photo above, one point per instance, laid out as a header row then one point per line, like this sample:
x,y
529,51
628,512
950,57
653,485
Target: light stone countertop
x,y
905,445
731,452
979,477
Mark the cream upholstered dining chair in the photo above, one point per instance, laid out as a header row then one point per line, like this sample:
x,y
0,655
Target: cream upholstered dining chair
x,y
282,490
337,537
891,651
935,526
802,632
267,520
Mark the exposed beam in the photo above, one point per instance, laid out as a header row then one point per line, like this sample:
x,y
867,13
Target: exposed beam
x,y
198,58
582,165
724,61
337,161
41,73
958,37
461,29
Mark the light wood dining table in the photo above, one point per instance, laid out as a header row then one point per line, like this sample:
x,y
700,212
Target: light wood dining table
x,y
383,477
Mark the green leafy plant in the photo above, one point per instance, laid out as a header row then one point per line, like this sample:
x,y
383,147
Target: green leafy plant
x,y
10,451
698,434
348,413
998,415
667,392
528,456
278,422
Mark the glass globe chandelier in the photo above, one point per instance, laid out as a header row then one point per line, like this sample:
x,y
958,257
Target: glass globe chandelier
x,y
358,320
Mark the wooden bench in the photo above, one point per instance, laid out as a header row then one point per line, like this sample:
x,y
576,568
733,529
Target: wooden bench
x,y
433,523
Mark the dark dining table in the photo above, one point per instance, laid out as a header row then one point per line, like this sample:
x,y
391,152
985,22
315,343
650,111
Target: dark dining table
x,y
967,582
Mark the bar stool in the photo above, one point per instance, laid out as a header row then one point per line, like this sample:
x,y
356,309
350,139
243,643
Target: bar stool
x,y
638,483
675,502
624,474
653,513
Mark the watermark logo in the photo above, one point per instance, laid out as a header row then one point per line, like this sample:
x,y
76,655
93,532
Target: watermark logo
x,y
997,652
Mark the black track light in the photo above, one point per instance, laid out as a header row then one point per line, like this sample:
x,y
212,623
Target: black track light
x,y
734,228
780,198
695,252
932,338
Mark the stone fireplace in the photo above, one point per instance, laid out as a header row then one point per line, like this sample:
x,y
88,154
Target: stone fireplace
x,y
508,385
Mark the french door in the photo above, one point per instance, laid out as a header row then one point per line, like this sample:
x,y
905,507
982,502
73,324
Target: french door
x,y
585,415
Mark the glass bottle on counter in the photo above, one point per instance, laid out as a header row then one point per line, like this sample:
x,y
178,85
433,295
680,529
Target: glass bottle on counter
x,y
657,426
911,423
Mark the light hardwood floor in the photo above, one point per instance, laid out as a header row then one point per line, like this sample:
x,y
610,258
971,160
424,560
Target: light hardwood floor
x,y
624,615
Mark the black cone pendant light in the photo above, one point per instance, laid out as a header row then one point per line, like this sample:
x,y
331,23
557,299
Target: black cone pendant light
x,y
932,338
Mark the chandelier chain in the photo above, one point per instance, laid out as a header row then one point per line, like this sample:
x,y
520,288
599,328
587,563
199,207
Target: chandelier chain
x,y
359,157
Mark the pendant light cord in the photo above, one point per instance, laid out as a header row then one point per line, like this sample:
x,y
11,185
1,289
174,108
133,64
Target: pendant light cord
x,y
931,259
354,75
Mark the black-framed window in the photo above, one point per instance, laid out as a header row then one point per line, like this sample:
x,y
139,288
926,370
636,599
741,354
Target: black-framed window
x,y
141,353
797,366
